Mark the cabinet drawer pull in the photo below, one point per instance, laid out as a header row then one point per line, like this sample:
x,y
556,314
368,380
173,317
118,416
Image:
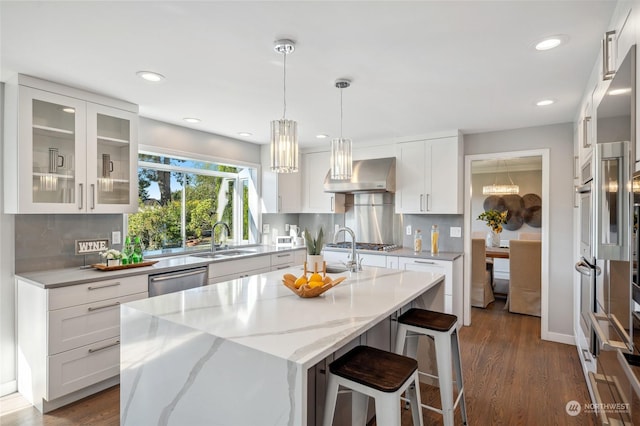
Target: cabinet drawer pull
x,y
283,267
421,197
103,286
426,262
426,207
284,255
93,196
96,308
116,343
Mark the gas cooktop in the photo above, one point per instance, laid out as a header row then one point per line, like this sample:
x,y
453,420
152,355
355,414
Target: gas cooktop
x,y
364,246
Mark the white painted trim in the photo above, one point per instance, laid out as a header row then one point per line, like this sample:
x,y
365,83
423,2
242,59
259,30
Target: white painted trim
x,y
152,149
8,388
544,314
567,339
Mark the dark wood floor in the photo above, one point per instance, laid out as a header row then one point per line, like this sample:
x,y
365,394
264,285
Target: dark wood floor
x,y
511,378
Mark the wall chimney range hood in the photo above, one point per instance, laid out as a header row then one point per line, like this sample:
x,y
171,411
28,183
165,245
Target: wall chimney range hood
x,y
376,175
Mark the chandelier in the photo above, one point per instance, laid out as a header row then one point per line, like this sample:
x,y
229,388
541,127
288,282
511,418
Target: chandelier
x,y
504,189
284,133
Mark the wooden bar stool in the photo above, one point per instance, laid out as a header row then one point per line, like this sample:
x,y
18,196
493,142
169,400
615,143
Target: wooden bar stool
x,y
442,328
382,375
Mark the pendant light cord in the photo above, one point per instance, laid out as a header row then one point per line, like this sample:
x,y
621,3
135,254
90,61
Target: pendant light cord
x,y
341,89
284,84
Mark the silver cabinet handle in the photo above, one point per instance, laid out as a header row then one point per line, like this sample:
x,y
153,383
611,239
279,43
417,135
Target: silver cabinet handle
x,y
586,143
607,343
282,267
116,343
174,276
97,308
426,207
284,255
81,193
421,199
607,71
93,196
279,203
426,262
117,283
332,202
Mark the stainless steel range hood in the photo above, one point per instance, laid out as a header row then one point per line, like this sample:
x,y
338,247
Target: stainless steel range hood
x,y
377,175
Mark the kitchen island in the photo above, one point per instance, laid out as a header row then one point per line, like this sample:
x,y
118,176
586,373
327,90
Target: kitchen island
x,y
243,352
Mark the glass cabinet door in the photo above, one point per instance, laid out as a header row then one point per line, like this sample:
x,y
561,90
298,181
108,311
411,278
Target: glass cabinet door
x,y
55,127
111,165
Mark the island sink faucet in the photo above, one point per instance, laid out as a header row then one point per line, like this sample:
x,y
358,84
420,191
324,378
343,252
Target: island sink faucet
x,y
213,233
353,265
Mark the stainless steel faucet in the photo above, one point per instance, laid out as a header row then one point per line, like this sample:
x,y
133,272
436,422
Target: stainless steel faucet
x,y
353,265
213,233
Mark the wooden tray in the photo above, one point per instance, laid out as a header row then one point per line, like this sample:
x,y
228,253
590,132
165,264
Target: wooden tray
x,y
104,267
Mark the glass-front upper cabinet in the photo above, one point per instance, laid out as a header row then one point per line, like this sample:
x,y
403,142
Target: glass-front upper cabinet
x,y
53,128
111,159
68,151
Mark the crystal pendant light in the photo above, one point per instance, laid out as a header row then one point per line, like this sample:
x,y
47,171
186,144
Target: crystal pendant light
x,y
341,164
284,133
505,189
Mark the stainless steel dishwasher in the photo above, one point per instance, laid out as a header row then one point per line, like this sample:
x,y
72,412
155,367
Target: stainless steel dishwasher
x,y
170,282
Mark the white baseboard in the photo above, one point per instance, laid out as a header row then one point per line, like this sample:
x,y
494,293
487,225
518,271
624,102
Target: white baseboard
x,y
9,387
567,339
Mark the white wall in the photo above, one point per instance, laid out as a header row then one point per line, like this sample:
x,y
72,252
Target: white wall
x,y
7,292
558,139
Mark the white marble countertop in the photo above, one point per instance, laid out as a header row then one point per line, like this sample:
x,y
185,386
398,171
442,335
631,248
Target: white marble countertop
x,y
53,278
406,252
259,312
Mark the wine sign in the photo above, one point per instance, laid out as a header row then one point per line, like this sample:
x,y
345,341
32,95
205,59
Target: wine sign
x,y
92,246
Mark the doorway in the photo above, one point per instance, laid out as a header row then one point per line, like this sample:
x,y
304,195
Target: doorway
x,y
499,169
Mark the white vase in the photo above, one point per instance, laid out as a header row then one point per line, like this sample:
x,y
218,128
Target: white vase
x,y
113,262
314,262
493,239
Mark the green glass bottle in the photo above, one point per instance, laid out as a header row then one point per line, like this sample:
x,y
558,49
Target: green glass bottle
x,y
138,249
127,252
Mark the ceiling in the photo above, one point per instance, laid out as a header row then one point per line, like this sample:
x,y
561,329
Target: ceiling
x,y
417,67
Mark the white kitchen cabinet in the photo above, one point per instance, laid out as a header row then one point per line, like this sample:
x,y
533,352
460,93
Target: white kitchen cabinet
x,y
288,259
69,337
68,151
281,192
239,268
429,174
366,259
314,168
452,271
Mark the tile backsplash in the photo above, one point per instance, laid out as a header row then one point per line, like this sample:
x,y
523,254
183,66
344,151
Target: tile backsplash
x,y
48,241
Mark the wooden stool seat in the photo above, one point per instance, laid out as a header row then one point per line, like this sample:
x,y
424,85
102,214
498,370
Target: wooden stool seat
x,y
422,318
373,373
375,368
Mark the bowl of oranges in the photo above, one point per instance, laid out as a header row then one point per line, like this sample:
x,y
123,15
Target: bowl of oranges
x,y
311,285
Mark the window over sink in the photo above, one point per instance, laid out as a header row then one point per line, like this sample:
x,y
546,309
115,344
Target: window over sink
x,y
179,200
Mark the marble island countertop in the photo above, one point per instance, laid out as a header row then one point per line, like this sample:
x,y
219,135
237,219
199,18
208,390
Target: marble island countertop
x,y
243,352
261,313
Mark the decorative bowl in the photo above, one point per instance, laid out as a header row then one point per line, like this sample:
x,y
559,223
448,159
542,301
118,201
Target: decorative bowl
x,y
306,290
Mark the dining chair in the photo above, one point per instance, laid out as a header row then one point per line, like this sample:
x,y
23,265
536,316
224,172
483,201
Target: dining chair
x,y
481,288
525,277
532,236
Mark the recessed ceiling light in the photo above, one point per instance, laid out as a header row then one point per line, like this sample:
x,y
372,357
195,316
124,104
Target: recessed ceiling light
x,y
150,76
622,91
545,102
191,120
69,110
322,136
551,42
245,134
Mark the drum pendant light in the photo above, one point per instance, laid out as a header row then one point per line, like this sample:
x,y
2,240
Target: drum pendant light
x,y
341,161
284,133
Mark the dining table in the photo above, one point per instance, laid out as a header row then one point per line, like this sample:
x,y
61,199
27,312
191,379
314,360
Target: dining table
x,y
497,252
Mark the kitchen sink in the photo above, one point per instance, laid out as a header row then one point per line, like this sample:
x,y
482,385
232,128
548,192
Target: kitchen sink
x,y
224,253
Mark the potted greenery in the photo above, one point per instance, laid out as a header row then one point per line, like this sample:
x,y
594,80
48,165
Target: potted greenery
x,y
314,250
494,220
112,257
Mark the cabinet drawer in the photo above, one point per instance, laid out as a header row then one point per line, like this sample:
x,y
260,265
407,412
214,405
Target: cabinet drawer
x,y
237,275
230,267
428,265
80,294
81,325
373,260
278,259
78,368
